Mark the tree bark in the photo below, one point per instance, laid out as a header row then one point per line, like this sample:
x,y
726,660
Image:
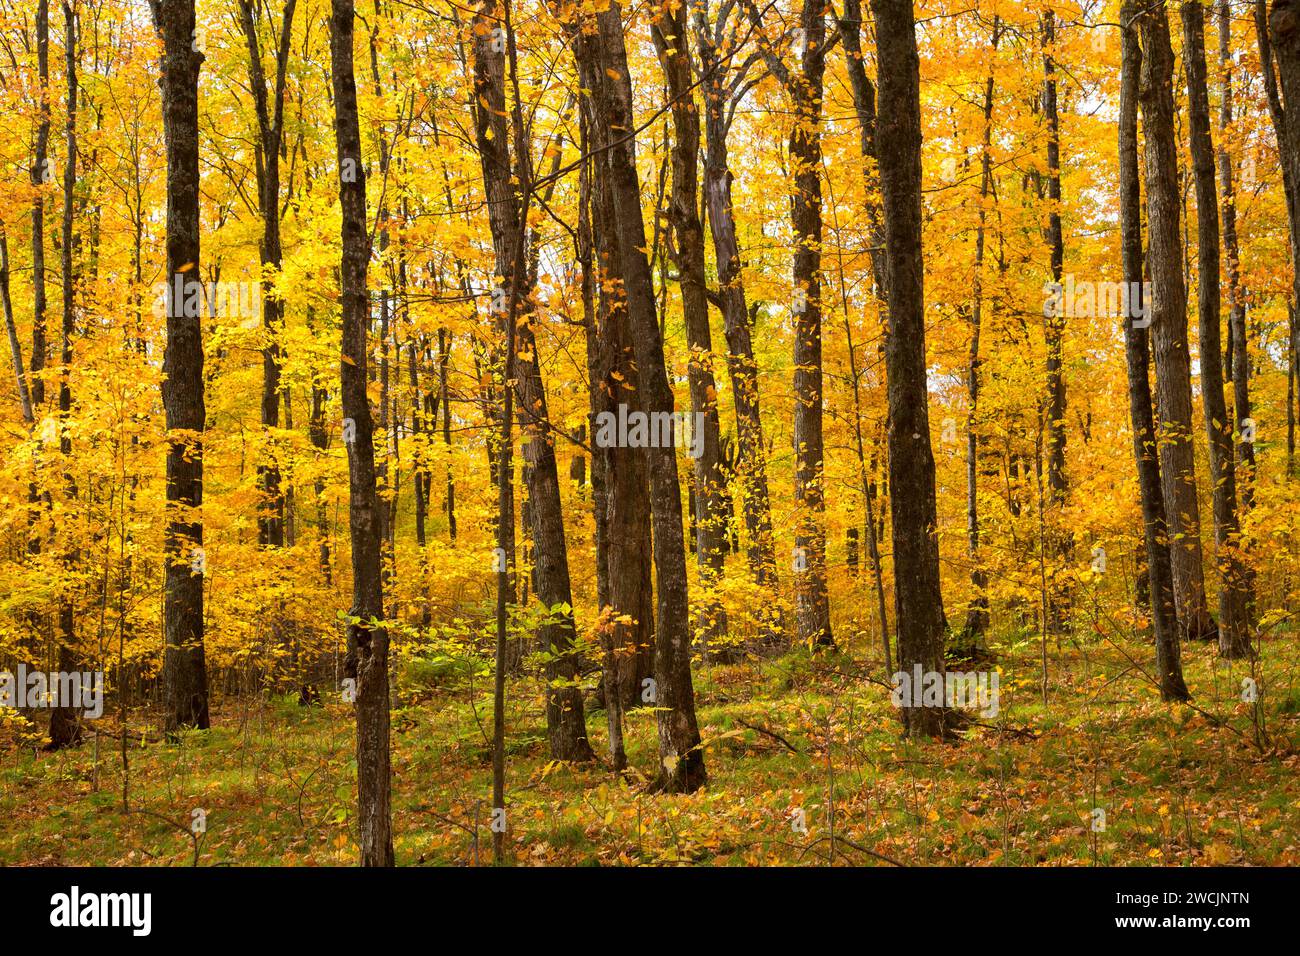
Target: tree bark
x,y
65,720
367,636
566,727
1053,408
918,601
812,602
270,129
184,673
15,346
719,98
1169,324
602,55
670,37
1164,615
1234,632
40,175
1238,352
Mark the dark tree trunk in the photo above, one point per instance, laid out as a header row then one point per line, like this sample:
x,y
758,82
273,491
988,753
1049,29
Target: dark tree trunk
x,y
1234,634
628,520
1053,409
1238,352
864,101
602,56
40,175
444,360
15,346
65,720
184,673
741,366
812,603
918,601
270,129
1159,572
502,174
977,614
1169,324
367,637
670,36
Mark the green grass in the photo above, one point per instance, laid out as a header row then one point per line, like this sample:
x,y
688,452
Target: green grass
x,y
277,781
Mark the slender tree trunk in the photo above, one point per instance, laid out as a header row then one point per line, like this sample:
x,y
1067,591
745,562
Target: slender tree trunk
x,y
812,603
600,363
1169,324
1054,333
977,614
502,174
1234,632
918,601
602,55
1158,568
1238,351
15,346
864,101
270,128
367,636
444,361
741,365
670,37
1283,26
184,674
65,720
41,174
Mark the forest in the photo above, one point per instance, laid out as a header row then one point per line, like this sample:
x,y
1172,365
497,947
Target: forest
x,y
673,432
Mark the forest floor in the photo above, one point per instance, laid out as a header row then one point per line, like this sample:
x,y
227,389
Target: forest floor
x,y
805,763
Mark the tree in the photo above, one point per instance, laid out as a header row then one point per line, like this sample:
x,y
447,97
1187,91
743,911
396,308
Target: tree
x,y
1164,615
41,174
270,131
724,84
602,54
670,35
566,728
1053,410
804,87
184,675
1169,324
918,602
65,723
1234,633
367,663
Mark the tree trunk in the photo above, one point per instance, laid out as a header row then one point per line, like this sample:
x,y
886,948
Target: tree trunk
x,y
566,727
367,637
670,37
1238,351
918,601
602,56
15,346
741,365
1159,572
1053,409
40,175
1169,323
65,720
1234,633
184,673
270,128
812,603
